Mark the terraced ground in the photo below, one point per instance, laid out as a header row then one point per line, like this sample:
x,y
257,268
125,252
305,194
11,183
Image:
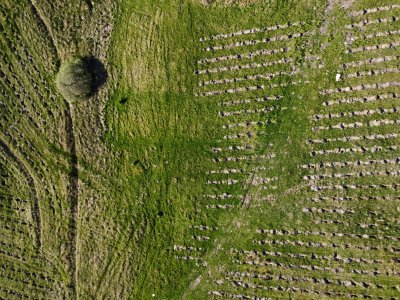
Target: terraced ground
x,y
238,150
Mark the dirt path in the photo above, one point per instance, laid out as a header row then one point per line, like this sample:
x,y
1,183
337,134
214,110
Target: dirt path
x,y
330,5
73,194
32,191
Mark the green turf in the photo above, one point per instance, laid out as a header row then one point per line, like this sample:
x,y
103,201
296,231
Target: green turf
x,y
96,195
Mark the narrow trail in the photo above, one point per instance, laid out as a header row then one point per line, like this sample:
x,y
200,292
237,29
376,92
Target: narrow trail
x,y
32,191
45,25
73,194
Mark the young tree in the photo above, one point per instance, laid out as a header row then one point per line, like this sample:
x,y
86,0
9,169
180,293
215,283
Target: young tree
x,y
75,80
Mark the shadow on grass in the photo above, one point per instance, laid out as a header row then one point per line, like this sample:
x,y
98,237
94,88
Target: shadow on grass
x,y
98,71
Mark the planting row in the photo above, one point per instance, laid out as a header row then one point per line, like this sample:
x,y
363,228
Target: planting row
x,y
384,226
236,296
302,290
247,158
315,268
256,88
245,124
278,38
250,66
366,112
25,273
255,181
23,95
248,101
236,171
352,174
368,22
13,255
222,206
291,232
338,126
198,260
247,111
371,137
372,123
187,248
12,208
384,46
23,144
224,196
248,55
315,280
247,134
268,76
17,294
362,187
361,87
188,257
246,147
365,99
374,60
37,287
390,8
343,164
204,227
376,35
327,245
355,198
327,210
24,251
359,74
309,256
251,31
15,221
25,58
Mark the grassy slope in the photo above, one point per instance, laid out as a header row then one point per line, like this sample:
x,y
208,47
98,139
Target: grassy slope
x,y
287,134
140,183
161,131
154,118
289,137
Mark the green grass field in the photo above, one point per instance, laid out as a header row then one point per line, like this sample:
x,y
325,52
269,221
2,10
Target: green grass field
x,y
237,150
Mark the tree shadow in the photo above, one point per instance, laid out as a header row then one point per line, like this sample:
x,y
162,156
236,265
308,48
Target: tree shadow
x,y
98,72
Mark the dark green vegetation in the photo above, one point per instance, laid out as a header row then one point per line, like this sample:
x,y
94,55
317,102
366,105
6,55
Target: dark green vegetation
x,y
252,176
75,81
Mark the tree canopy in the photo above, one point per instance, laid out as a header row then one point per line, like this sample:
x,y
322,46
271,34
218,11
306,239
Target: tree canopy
x,y
75,80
